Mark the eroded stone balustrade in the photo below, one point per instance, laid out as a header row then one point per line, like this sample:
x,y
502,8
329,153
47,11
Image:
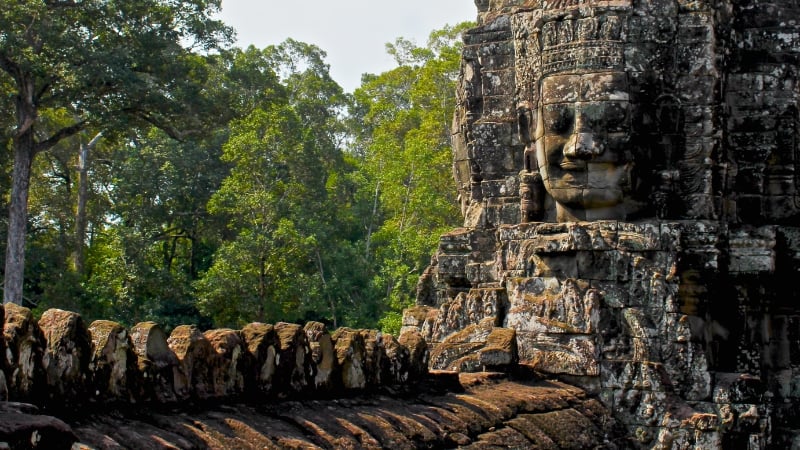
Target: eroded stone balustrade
x,y
59,362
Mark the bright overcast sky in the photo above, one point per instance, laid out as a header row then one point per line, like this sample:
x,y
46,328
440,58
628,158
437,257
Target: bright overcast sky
x,y
353,33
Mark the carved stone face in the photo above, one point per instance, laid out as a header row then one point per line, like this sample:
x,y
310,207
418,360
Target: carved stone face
x,y
582,139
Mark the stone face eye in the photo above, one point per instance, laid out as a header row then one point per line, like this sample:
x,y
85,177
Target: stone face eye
x,y
558,119
615,116
602,116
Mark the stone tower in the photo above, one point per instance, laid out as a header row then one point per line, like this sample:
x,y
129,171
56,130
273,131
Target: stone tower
x,y
628,175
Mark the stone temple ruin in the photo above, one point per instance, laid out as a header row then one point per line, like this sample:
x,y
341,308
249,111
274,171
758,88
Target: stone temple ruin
x,y
628,172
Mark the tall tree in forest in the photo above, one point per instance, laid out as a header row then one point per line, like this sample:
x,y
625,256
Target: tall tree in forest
x,y
321,105
58,206
255,275
161,232
106,64
6,131
402,122
284,156
81,223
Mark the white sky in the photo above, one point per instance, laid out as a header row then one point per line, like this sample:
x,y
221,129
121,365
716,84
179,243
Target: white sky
x,y
353,33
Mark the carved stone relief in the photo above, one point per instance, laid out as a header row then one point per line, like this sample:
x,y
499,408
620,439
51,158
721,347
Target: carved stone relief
x,y
632,211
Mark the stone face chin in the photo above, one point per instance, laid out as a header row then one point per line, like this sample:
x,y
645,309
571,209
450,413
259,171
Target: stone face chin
x,y
631,212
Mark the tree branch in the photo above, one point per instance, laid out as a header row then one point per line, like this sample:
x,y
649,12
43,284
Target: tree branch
x,y
171,131
61,3
59,135
45,88
22,129
9,66
94,140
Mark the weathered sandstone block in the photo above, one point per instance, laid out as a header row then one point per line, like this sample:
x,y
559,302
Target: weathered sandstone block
x,y
24,346
228,378
262,345
162,378
113,366
420,318
323,355
500,351
197,360
374,356
460,351
467,308
396,370
295,367
66,356
351,357
419,353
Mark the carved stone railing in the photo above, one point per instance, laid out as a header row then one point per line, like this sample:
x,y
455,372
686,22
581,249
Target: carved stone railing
x,y
59,362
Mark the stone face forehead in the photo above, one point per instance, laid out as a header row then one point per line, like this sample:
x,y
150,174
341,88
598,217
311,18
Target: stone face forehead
x,y
601,86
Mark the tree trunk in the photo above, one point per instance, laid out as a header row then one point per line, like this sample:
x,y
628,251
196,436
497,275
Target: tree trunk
x,y
372,219
262,288
83,196
331,303
24,151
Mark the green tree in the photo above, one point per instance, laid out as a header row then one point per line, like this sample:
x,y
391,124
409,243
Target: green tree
x,y
51,237
161,230
403,118
155,235
255,275
158,225
109,64
321,104
285,202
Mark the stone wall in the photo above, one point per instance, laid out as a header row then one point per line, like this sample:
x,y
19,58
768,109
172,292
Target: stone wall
x,y
59,362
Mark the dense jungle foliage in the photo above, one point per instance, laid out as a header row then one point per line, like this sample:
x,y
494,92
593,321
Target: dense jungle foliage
x,y
153,170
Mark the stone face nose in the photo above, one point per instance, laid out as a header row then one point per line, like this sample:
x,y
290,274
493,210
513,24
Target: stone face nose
x,y
583,146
